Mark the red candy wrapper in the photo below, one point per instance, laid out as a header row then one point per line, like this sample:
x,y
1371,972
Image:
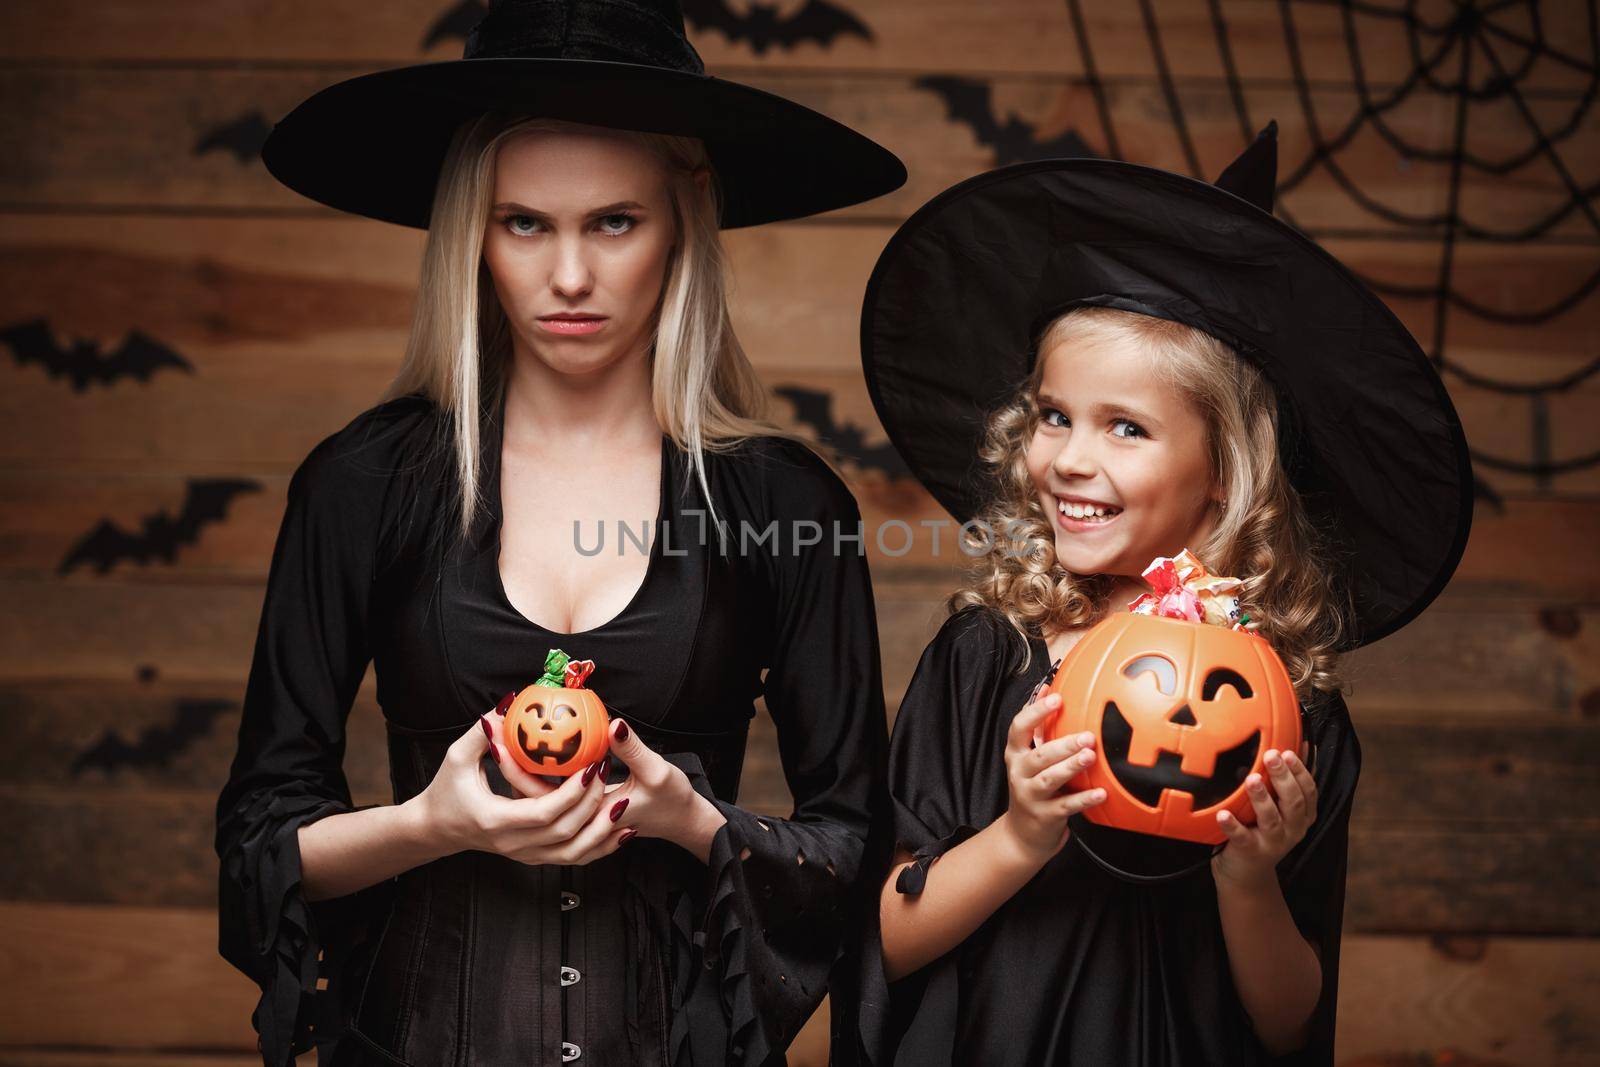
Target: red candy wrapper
x,y
577,670
1185,590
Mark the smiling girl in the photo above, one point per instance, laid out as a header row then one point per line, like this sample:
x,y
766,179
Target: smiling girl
x,y
1171,368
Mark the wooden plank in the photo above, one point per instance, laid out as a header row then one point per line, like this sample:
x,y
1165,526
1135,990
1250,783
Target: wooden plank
x,y
103,631
1500,1000
1465,656
1474,880
1505,773
1466,826
158,984
1033,36
1529,549
266,386
134,736
153,975
90,136
1536,548
1478,827
1472,655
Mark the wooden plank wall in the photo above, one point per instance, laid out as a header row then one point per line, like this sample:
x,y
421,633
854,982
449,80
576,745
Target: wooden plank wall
x,y
1473,927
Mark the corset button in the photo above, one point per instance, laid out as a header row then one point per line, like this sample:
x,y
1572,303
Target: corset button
x,y
569,901
570,1052
569,976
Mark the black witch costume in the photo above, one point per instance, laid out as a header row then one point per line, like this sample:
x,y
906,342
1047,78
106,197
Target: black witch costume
x,y
1113,954
646,956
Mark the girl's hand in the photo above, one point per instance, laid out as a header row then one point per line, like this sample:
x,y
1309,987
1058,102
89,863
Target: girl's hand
x,y
657,800
547,824
1250,857
1036,774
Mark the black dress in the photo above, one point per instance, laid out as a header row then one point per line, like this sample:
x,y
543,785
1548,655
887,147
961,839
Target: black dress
x,y
1079,967
646,956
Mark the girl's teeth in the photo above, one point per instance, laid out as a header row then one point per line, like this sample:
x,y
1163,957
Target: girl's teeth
x,y
1084,511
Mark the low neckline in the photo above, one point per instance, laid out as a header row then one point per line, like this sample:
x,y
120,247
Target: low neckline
x,y
495,546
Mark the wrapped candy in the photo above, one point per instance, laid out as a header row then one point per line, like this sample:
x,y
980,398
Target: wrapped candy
x,y
1184,589
577,671
555,669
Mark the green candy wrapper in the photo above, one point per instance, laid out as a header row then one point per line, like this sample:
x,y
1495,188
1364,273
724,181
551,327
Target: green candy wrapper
x,y
555,669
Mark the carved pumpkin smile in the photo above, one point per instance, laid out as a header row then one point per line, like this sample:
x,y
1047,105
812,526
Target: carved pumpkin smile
x,y
541,750
1146,784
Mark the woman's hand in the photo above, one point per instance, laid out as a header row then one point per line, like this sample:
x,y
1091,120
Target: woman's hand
x,y
658,800
1036,774
548,824
1250,858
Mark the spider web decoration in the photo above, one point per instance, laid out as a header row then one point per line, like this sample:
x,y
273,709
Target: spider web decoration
x,y
1467,56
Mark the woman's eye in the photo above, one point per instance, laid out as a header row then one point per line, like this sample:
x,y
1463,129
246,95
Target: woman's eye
x,y
512,220
1049,417
1124,428
616,224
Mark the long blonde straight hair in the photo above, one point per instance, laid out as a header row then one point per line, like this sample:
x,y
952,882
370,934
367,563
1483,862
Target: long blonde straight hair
x,y
707,396
1260,533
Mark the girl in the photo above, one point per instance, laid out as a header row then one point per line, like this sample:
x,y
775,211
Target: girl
x,y
570,361
1174,369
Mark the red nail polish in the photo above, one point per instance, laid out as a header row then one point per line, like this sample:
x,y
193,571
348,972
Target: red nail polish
x,y
505,702
494,748
605,766
626,834
589,772
488,731
618,808
622,731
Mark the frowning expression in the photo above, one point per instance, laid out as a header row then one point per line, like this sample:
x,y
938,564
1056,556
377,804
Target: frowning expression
x,y
578,240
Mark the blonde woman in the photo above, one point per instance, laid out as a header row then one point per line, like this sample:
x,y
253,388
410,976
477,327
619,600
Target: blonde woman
x,y
1152,364
570,457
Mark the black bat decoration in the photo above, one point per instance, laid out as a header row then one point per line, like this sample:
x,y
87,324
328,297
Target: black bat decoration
x,y
138,356
244,137
1014,141
815,409
162,534
816,21
455,23
157,746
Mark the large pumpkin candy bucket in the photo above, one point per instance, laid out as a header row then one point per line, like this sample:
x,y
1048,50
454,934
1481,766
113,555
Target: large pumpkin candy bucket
x,y
557,726
1183,700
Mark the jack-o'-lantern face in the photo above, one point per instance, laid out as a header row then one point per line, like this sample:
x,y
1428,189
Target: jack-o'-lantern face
x,y
554,731
1182,713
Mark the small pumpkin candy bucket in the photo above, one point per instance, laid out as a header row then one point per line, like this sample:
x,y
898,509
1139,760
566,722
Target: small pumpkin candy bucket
x,y
557,726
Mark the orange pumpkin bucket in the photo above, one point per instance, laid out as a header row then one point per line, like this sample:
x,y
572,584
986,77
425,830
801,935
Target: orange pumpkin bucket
x,y
557,726
1182,711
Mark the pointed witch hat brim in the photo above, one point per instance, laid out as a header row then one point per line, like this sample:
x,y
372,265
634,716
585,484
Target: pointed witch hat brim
x,y
955,304
374,145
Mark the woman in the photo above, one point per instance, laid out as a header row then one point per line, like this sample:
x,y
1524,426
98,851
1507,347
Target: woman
x,y
570,362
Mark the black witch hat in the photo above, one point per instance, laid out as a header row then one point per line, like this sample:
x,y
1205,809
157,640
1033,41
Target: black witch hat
x,y
373,145
955,305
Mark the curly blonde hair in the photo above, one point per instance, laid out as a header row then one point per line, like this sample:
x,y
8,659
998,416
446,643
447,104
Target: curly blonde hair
x,y
1260,533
